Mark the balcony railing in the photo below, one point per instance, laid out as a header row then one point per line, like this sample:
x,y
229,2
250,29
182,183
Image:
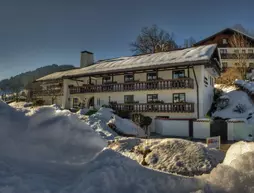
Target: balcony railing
x,y
237,56
156,107
55,92
131,86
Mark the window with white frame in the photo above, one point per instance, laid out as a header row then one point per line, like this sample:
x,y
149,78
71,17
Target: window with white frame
x,y
106,79
152,76
250,51
223,51
244,51
152,98
128,98
179,98
178,74
128,78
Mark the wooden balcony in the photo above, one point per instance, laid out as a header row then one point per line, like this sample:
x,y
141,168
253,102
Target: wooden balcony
x,y
56,92
156,107
237,56
134,86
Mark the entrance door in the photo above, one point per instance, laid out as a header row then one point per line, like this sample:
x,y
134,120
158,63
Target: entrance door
x,y
219,128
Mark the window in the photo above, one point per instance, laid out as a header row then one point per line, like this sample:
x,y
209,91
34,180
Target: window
x,y
244,51
224,64
98,101
223,51
224,41
106,79
250,51
128,77
152,98
178,74
128,98
75,103
251,65
178,97
152,76
236,51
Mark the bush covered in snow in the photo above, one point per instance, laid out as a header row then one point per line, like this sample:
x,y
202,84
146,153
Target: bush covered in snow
x,y
240,108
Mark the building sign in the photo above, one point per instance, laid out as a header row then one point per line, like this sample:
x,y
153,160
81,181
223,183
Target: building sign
x,y
213,142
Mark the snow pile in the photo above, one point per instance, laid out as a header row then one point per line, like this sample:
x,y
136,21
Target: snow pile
x,y
171,155
53,151
249,86
235,98
49,134
99,122
236,174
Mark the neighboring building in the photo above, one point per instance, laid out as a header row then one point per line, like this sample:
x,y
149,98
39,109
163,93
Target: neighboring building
x,y
228,53
177,84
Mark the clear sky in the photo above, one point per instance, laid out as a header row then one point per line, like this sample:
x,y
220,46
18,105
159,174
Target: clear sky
x,y
35,33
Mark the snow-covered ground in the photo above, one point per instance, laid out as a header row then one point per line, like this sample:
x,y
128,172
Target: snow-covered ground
x,y
54,151
170,155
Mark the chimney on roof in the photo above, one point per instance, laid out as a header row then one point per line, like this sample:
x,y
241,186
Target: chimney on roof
x,y
86,59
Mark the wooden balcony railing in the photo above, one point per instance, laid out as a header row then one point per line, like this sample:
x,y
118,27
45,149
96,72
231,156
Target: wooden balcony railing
x,y
156,107
56,92
131,86
237,56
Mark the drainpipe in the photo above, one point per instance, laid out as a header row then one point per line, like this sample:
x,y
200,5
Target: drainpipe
x,y
197,90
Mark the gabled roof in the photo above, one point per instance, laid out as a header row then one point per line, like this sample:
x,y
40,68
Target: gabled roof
x,y
223,31
188,56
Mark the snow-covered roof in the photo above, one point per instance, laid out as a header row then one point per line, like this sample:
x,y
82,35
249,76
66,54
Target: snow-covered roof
x,y
222,31
194,55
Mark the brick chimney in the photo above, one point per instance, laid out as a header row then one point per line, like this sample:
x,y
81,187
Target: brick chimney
x,y
86,59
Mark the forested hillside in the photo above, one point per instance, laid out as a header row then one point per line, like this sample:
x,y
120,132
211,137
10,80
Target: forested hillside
x,y
20,81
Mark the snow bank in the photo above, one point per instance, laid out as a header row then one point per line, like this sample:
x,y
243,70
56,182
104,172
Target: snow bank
x,y
235,98
53,151
171,155
246,85
48,134
99,120
236,174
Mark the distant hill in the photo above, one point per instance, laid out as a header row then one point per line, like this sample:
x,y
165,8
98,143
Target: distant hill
x,y
20,81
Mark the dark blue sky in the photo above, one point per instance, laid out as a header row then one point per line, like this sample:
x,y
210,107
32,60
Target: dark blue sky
x,y
35,33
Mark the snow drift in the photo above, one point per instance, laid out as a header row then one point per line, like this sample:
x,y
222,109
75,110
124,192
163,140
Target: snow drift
x,y
170,155
53,151
48,134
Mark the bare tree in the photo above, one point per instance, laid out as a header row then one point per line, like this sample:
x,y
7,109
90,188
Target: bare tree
x,y
153,39
229,76
189,42
239,41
